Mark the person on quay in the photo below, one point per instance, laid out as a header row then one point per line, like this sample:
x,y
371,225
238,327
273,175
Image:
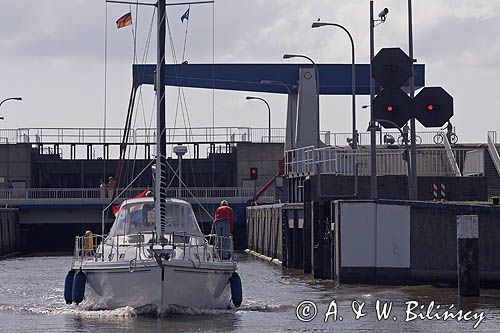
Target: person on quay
x,y
111,186
224,226
449,131
102,188
406,131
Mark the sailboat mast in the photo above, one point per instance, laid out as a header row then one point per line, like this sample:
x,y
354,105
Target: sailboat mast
x,y
161,142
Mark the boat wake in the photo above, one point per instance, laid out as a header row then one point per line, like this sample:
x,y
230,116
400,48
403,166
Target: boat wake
x,y
71,310
90,310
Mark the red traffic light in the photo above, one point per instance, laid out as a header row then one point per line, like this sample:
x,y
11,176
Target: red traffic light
x,y
254,173
433,106
393,105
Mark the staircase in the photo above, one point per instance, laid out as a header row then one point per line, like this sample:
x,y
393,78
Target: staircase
x,y
492,166
451,158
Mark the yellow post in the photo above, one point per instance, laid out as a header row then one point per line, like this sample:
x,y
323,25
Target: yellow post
x,y
89,243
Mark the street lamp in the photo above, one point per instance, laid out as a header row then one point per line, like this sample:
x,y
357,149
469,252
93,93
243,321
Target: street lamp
x,y
288,56
277,82
290,116
268,109
353,77
353,91
10,99
373,144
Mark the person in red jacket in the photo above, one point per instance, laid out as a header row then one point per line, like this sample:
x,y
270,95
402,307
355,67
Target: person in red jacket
x,y
224,226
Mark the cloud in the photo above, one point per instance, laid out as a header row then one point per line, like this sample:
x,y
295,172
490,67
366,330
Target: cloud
x,y
48,44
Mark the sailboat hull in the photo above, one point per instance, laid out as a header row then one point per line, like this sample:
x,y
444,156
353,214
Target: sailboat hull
x,y
185,284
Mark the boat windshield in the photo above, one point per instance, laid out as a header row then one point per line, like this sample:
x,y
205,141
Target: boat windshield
x,y
139,217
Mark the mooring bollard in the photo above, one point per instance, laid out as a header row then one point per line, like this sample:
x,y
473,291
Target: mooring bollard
x,y
468,255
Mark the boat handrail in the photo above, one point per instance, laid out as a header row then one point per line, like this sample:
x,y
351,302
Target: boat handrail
x,y
89,246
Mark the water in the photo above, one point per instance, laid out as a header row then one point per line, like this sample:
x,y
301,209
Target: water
x,y
31,300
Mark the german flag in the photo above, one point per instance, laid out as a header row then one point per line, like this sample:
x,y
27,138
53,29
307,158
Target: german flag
x,y
124,21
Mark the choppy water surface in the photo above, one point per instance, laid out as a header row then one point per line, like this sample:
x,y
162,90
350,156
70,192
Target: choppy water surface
x,y
31,300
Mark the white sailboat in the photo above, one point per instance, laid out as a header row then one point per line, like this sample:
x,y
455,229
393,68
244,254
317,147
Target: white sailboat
x,y
155,253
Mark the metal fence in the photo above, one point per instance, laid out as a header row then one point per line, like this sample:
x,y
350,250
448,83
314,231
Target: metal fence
x,y
87,195
342,161
139,135
93,135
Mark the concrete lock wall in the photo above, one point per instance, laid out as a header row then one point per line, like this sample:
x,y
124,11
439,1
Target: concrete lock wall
x,y
398,242
15,165
264,230
263,156
9,231
331,187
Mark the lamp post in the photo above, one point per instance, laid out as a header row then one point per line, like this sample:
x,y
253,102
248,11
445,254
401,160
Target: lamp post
x,y
289,56
372,127
268,109
10,99
277,82
353,91
353,77
290,116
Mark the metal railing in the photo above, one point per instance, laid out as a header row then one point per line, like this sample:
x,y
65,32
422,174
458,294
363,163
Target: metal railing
x,y
90,135
451,157
492,138
94,135
201,248
339,161
96,195
299,160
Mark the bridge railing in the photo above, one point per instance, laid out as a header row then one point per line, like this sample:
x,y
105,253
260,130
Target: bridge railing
x,y
16,195
95,135
70,135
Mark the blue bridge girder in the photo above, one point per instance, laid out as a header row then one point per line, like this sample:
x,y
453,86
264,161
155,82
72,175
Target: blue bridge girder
x,y
334,79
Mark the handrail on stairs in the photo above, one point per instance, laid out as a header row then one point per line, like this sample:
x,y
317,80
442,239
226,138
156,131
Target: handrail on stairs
x,y
451,157
492,149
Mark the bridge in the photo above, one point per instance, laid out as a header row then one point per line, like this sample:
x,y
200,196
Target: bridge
x,y
46,214
96,198
104,143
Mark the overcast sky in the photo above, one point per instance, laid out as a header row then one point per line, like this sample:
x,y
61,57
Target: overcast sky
x,y
52,54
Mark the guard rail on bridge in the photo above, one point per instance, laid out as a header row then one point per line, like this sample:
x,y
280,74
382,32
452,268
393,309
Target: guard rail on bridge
x,y
95,136
82,196
200,135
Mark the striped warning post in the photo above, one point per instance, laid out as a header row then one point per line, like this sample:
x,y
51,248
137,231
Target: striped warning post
x,y
443,191
435,191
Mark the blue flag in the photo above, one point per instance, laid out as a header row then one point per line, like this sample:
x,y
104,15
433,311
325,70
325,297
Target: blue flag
x,y
185,16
